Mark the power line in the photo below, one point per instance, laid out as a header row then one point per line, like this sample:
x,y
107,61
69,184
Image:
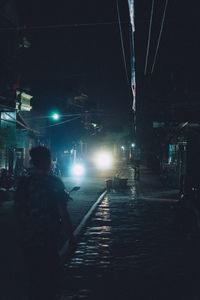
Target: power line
x,y
122,43
161,28
60,123
58,26
5,106
149,37
49,117
14,121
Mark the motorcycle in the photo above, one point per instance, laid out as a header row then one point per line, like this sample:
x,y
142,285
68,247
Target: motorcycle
x,y
7,180
7,185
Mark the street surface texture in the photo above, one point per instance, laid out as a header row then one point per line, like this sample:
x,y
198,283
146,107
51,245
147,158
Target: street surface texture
x,y
141,243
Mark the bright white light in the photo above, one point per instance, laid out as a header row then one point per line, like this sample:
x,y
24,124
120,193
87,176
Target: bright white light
x,y
78,170
104,160
122,147
133,145
55,116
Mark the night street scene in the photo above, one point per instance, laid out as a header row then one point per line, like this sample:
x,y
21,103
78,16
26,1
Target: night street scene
x,y
99,150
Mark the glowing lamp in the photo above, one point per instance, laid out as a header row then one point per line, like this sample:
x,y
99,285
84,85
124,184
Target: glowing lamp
x,y
78,170
55,116
104,160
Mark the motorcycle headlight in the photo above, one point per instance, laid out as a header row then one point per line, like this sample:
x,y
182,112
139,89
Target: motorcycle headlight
x,y
78,170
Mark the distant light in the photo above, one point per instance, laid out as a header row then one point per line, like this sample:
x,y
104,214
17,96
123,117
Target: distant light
x,y
133,145
122,147
78,170
55,116
104,160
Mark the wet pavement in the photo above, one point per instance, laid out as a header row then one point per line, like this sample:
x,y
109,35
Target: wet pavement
x,y
139,244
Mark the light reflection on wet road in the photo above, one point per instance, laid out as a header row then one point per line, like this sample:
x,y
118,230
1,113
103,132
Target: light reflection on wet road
x,y
91,187
135,249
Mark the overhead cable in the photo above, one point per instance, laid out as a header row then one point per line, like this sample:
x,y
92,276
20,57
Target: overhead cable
x,y
14,121
161,29
149,37
5,106
122,42
57,26
60,123
49,117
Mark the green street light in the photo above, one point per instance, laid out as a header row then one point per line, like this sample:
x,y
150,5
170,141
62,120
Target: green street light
x,y
55,116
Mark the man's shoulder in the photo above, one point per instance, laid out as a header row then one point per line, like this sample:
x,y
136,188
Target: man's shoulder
x,y
34,182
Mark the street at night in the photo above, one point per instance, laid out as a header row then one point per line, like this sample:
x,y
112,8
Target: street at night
x,y
99,150
135,244
136,248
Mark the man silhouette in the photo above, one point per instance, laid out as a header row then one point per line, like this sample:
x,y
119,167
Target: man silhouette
x,y
40,206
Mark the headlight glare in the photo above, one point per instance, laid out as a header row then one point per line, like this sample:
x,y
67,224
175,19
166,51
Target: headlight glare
x,y
78,170
104,160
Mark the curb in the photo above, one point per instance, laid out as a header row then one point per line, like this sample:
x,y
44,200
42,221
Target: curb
x,y
82,224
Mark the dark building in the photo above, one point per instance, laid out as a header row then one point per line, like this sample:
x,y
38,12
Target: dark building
x,y
16,136
167,70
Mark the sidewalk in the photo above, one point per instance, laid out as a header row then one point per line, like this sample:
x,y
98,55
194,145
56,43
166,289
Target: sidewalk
x,y
135,248
151,188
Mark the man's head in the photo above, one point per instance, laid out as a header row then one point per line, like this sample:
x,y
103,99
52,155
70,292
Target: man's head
x,y
41,158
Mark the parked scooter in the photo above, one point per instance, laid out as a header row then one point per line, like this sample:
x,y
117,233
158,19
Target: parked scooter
x,y
7,185
7,180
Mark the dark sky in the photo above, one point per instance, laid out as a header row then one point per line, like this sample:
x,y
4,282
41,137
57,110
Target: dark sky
x,y
89,56
178,53
76,47
84,57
